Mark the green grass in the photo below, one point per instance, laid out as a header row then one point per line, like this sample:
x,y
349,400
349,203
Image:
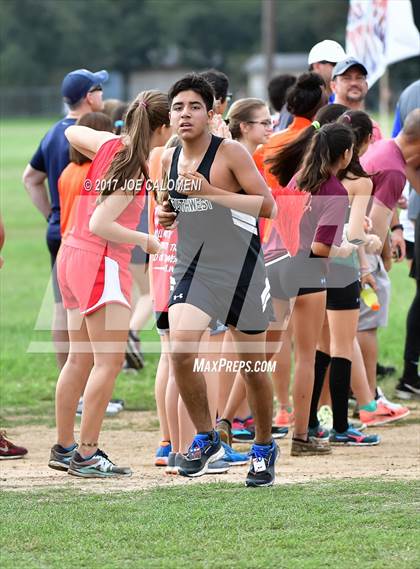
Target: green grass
x,y
369,524
28,379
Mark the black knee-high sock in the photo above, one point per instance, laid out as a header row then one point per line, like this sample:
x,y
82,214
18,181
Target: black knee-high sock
x,y
322,361
340,375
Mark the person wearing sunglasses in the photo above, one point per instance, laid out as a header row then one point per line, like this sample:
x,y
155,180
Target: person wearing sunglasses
x,y
82,93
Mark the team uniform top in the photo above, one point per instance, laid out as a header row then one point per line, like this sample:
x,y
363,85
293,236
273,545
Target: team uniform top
x,y
219,245
51,157
385,162
79,236
323,218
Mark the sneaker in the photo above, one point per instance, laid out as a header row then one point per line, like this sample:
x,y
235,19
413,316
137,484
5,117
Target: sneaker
x,y
238,424
98,466
408,390
284,417
60,458
170,466
325,417
313,446
383,371
111,410
8,450
242,436
234,458
383,399
128,369
202,451
353,437
263,459
319,432
134,358
218,467
225,431
279,432
162,453
358,425
118,403
249,423
383,415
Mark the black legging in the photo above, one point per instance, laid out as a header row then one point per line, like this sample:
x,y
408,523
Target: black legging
x,y
412,339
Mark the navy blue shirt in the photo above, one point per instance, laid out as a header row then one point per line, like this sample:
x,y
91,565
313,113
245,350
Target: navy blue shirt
x,y
51,157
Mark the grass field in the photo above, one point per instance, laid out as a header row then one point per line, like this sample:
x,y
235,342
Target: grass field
x,y
369,523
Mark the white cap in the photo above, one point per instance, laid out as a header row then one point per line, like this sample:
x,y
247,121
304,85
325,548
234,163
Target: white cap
x,y
327,50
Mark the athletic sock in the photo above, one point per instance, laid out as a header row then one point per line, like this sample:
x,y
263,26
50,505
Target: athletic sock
x,y
340,374
371,407
322,361
70,448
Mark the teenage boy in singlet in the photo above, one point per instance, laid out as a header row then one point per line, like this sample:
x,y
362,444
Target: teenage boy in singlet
x,y
220,271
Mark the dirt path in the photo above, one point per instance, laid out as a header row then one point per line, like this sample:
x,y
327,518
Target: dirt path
x,y
396,457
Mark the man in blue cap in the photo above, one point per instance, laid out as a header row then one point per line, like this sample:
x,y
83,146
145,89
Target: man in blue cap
x,y
82,93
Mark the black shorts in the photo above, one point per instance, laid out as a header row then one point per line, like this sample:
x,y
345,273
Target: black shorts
x,y
246,308
53,247
296,276
162,322
409,250
344,298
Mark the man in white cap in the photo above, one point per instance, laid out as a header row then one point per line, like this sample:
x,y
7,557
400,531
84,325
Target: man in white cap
x,y
322,59
82,92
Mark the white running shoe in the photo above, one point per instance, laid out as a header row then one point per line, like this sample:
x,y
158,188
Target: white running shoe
x,y
325,417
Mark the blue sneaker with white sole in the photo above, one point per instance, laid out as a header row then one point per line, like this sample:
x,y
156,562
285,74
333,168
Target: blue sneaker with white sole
x,y
234,458
353,437
263,459
204,449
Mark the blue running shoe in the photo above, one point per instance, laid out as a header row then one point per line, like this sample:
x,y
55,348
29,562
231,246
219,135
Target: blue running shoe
x,y
234,458
204,449
242,436
263,459
353,437
218,467
162,453
319,432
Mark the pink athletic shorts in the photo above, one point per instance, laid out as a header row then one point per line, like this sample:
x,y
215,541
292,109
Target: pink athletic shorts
x,y
88,280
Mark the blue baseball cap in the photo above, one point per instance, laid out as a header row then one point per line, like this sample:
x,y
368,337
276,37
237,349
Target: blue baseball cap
x,y
342,66
77,83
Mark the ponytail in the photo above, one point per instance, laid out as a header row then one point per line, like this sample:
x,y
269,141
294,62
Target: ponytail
x,y
362,127
287,161
149,111
328,144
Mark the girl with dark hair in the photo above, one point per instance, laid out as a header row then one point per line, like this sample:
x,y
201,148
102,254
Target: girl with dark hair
x,y
286,162
338,347
304,99
303,276
95,281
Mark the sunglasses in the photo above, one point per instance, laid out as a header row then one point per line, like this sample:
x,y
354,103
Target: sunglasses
x,y
95,88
